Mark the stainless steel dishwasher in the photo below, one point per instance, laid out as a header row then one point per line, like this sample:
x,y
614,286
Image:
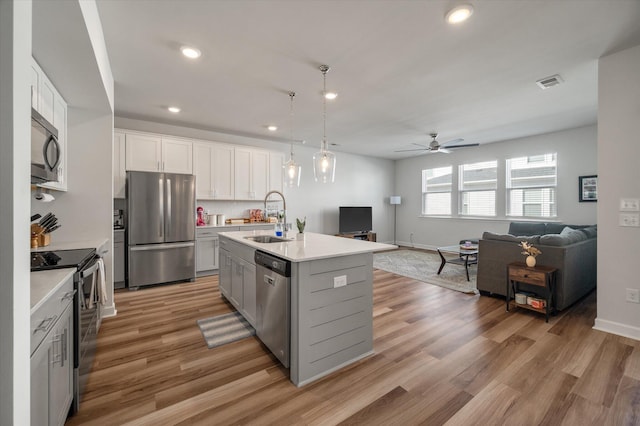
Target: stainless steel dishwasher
x,y
273,282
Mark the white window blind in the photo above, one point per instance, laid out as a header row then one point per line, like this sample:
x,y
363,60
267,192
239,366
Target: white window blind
x,y
477,186
531,186
436,191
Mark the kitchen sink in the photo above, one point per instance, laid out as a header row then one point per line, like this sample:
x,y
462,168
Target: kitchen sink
x,y
266,239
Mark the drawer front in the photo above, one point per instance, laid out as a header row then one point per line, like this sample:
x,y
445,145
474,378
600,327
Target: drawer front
x,y
527,276
204,233
43,319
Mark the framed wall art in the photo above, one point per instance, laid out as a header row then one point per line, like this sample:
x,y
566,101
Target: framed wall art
x,y
588,188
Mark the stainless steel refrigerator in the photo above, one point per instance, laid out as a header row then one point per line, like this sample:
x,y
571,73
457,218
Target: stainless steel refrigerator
x,y
160,228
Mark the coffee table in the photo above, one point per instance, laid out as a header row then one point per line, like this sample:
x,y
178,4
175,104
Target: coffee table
x,y
465,255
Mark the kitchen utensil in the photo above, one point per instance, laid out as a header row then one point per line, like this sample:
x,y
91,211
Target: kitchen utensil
x,y
50,226
53,228
46,217
36,217
48,222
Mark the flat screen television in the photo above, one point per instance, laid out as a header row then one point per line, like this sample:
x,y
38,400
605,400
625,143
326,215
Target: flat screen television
x,y
355,219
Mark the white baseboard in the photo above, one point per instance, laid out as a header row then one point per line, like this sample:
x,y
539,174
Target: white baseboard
x,y
108,311
413,245
620,329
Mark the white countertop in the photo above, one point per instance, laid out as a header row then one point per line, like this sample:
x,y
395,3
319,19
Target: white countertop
x,y
99,244
44,283
314,246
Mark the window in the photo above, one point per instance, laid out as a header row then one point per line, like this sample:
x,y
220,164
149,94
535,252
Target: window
x,y
531,186
436,191
477,188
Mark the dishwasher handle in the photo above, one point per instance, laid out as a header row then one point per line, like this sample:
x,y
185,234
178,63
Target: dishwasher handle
x,y
268,279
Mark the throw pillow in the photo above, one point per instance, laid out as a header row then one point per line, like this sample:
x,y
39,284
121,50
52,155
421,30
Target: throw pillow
x,y
573,235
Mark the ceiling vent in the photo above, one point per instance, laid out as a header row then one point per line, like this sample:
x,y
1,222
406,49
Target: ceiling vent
x,y
548,82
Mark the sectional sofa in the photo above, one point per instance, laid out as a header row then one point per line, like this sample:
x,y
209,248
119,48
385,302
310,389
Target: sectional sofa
x,y
572,249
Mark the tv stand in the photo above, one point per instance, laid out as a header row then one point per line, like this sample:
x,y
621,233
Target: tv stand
x,y
365,236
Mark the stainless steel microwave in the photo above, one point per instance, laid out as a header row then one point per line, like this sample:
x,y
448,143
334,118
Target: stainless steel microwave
x,y
45,149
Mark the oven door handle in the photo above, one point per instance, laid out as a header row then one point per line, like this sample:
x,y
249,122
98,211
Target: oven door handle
x,y
89,271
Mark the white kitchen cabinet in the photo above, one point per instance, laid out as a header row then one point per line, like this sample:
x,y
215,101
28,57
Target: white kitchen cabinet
x,y
276,176
119,169
177,156
51,105
52,358
143,152
155,153
251,174
213,166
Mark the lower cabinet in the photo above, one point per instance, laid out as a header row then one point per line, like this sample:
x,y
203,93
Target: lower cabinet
x,y
206,254
118,259
237,278
52,373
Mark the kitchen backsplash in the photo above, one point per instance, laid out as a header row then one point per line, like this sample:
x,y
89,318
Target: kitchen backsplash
x,y
231,209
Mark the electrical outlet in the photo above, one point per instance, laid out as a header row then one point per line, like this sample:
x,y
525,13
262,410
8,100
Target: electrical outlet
x,y
633,295
629,204
629,219
339,281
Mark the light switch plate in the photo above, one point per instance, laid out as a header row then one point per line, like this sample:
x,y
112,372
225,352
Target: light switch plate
x,y
339,281
629,204
630,219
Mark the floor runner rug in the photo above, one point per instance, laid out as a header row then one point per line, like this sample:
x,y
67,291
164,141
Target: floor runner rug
x,y
223,329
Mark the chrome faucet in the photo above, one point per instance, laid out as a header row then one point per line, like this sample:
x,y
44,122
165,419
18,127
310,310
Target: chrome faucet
x,y
284,205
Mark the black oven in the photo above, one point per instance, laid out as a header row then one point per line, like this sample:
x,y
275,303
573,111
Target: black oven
x,y
86,301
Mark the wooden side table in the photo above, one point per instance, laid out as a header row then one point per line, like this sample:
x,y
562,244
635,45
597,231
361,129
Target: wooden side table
x,y
539,275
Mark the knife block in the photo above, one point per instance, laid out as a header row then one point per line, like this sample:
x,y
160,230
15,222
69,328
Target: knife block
x,y
38,239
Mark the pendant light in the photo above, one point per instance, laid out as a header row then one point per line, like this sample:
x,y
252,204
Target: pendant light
x,y
324,161
292,170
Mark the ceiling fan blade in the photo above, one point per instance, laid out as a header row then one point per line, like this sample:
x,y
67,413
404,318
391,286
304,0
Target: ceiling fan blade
x,y
462,146
408,150
443,150
420,145
452,141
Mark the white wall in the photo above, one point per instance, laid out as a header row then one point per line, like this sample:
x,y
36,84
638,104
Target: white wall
x,y
576,150
618,156
15,156
360,181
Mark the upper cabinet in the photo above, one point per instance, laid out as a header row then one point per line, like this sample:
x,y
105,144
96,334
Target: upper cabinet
x,y
276,177
119,169
155,153
223,171
51,105
213,167
251,174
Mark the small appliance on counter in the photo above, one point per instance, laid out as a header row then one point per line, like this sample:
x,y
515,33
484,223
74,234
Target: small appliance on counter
x,y
118,219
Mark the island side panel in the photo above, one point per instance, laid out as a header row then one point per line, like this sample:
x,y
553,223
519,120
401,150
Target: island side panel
x,y
330,327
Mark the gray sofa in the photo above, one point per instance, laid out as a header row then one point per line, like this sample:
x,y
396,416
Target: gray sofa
x,y
572,249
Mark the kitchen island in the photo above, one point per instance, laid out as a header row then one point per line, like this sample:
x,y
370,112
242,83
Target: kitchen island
x,y
330,300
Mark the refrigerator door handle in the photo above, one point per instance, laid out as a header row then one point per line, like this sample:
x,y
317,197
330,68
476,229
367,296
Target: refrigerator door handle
x,y
161,246
161,206
168,224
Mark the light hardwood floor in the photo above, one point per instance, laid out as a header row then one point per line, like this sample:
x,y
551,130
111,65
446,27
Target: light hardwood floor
x,y
442,357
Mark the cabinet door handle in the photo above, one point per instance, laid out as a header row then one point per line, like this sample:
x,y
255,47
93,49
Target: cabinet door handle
x,y
68,295
64,347
57,354
44,324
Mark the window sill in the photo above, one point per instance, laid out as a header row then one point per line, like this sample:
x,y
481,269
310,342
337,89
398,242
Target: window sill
x,y
493,219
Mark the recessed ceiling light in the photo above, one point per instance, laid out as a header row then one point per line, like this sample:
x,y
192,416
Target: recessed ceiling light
x,y
459,14
190,52
173,109
331,95
272,128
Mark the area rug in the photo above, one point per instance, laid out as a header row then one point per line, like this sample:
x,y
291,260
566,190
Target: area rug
x,y
423,266
223,329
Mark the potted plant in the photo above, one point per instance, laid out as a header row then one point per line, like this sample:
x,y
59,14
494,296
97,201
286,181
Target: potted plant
x,y
301,224
531,252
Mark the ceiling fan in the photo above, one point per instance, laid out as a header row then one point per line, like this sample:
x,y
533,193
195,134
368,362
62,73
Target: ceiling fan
x,y
435,146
